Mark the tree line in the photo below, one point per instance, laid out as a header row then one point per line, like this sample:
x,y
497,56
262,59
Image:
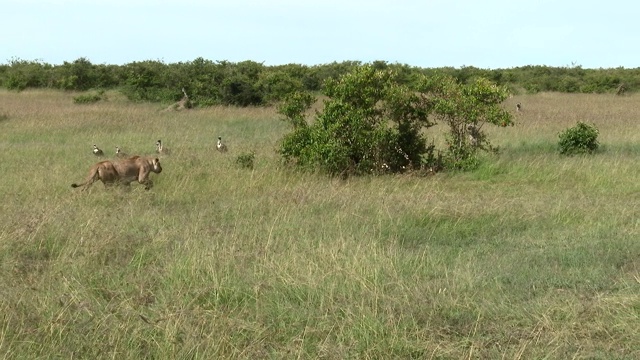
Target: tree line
x,y
250,83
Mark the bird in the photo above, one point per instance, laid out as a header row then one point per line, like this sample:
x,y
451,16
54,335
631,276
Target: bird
x,y
474,134
120,153
97,151
161,149
518,107
220,146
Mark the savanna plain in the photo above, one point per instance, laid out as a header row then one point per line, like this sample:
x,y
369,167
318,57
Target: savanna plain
x,y
533,255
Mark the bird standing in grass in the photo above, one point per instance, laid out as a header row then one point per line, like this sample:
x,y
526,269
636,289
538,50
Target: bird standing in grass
x,y
220,146
120,153
160,149
97,151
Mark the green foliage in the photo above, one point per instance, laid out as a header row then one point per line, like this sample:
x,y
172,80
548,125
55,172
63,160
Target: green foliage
x,y
144,82
465,109
201,78
370,124
580,139
89,98
294,108
246,160
374,123
278,84
241,87
23,74
249,83
78,75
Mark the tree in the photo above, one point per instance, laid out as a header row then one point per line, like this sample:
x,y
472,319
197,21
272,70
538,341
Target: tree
x,y
278,84
466,109
369,124
240,86
23,74
374,123
78,75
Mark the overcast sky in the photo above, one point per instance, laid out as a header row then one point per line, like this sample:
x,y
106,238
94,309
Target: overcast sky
x,y
424,33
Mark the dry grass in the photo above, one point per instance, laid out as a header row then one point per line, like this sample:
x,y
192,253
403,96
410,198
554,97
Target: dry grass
x,y
533,255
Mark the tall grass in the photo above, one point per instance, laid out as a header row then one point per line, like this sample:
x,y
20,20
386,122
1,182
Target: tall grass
x,y
533,255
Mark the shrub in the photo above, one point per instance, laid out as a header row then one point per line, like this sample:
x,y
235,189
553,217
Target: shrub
x,y
370,123
580,139
465,109
245,160
89,98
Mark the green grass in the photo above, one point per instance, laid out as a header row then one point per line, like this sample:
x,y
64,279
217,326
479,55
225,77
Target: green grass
x,y
533,255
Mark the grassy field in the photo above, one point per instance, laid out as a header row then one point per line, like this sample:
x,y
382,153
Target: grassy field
x,y
531,256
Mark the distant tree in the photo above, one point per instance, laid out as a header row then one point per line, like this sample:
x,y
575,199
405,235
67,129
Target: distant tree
x,y
250,83
241,86
78,75
23,74
143,82
276,85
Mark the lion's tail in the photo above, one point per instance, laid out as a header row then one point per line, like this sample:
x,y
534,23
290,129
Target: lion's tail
x,y
93,176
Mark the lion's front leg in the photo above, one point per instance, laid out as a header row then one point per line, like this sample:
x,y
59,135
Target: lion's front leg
x,y
143,178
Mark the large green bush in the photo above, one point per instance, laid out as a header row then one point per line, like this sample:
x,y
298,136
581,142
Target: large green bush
x,y
369,124
373,122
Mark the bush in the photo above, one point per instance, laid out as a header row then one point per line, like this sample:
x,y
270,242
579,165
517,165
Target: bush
x,y
465,109
374,123
370,123
245,160
580,139
88,98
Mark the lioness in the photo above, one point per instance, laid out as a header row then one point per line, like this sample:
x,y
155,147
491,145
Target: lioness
x,y
123,171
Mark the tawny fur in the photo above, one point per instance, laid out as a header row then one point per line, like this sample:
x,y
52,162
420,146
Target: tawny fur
x,y
123,172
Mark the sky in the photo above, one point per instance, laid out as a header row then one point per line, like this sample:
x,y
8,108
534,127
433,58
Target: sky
x,y
487,34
